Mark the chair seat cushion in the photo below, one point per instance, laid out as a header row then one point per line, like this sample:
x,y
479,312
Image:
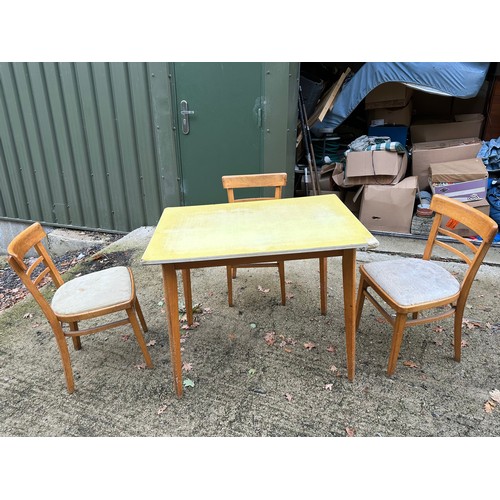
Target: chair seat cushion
x,y
412,281
93,291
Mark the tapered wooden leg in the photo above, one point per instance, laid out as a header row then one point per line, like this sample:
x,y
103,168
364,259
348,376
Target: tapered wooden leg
x,y
323,267
77,344
65,358
188,298
138,335
415,315
457,333
140,315
363,285
233,273
281,270
349,280
229,271
172,302
397,337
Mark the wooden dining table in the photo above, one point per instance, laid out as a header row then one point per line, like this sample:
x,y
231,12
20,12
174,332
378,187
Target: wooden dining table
x,y
199,236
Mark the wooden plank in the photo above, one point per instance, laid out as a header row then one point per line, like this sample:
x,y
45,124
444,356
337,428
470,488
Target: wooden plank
x,y
326,103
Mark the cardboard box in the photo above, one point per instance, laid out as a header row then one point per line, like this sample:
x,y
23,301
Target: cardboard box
x,y
389,208
458,228
425,153
388,95
371,167
352,200
391,116
464,180
468,126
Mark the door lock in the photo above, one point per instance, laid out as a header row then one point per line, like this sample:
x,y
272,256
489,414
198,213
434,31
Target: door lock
x,y
185,112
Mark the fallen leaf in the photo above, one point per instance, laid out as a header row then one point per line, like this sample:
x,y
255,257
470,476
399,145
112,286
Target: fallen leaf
x,y
328,387
125,338
488,406
411,364
270,338
289,397
251,371
350,431
380,320
263,290
187,382
309,345
28,315
151,342
333,368
470,324
288,282
495,395
331,348
187,367
162,409
190,327
438,329
290,295
142,366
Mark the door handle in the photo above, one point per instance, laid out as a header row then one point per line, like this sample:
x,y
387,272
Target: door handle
x,y
185,112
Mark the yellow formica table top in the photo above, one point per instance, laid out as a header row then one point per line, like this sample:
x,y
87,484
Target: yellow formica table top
x,y
270,227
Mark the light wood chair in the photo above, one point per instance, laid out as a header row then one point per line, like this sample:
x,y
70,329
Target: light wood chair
x,y
89,296
276,181
415,286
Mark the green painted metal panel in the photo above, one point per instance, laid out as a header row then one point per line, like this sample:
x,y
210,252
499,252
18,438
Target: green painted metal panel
x,y
86,144
225,131
280,120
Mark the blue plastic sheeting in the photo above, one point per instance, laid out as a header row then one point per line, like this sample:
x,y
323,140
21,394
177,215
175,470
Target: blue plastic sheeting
x,y
463,80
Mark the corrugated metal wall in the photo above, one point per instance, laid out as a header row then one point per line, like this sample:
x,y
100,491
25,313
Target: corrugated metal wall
x,y
79,143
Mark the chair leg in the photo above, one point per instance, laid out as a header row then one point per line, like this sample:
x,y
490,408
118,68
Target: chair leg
x,y
397,337
363,285
322,283
140,338
65,358
140,315
234,269
281,270
457,333
229,270
77,344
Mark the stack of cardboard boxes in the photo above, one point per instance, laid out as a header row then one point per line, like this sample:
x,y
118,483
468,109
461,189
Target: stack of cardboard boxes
x,y
442,159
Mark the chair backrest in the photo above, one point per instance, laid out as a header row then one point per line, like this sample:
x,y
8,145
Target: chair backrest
x,y
485,227
31,238
232,182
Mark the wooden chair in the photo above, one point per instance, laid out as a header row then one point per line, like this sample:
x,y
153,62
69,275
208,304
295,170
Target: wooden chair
x,y
415,286
89,296
276,181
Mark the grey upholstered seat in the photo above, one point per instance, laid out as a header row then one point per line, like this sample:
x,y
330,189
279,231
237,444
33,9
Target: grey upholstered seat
x,y
413,281
93,291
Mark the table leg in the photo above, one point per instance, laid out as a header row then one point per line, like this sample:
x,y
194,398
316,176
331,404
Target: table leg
x,y
323,266
172,302
349,285
188,298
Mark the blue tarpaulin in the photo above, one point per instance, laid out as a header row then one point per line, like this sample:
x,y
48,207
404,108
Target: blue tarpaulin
x,y
463,80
